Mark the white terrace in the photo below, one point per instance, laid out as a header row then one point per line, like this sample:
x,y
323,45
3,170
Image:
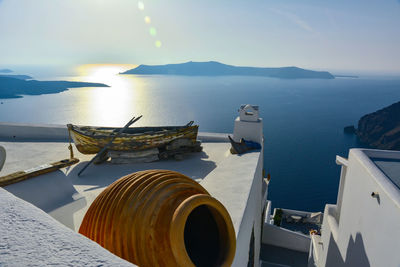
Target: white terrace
x,y
236,181
362,229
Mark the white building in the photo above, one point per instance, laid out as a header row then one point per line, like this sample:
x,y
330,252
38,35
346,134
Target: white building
x,y
362,229
40,239
40,217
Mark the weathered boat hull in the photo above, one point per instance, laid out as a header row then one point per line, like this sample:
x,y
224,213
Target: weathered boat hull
x,y
90,140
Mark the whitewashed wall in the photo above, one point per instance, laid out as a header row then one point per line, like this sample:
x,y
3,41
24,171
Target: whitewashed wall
x,y
238,183
366,230
30,237
284,238
18,132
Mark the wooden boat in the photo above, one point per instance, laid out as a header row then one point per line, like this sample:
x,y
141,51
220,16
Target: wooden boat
x,y
90,140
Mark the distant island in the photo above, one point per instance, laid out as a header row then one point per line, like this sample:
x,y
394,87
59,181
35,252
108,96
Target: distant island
x,y
381,129
16,76
213,68
11,87
5,71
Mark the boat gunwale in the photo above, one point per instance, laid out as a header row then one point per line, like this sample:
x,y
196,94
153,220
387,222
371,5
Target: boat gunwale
x,y
109,130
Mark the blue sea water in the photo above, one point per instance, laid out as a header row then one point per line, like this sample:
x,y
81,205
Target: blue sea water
x,y
303,119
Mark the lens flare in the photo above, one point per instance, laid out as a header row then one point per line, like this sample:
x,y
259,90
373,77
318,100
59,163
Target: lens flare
x,y
147,20
141,5
153,31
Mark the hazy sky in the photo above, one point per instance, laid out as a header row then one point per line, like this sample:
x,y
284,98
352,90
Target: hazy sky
x,y
319,34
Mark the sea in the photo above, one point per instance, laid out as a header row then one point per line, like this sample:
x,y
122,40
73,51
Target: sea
x,y
303,118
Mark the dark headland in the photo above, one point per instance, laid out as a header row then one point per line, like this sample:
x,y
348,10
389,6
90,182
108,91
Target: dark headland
x,y
213,68
14,87
381,129
16,76
5,71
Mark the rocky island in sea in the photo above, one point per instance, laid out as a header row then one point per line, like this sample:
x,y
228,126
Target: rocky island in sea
x,y
381,129
16,76
14,86
5,71
213,68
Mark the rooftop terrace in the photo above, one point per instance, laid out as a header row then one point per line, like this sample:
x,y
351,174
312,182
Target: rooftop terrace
x,y
64,187
390,167
234,180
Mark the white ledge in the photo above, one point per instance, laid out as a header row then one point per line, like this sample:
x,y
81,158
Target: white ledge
x,y
31,237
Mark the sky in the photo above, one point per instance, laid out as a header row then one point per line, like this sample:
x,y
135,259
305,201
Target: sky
x,y
354,35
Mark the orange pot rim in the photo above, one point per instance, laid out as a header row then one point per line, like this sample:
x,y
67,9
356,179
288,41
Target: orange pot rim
x,y
178,227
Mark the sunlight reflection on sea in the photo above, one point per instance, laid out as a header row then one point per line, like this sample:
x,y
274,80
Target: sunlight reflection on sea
x,y
303,118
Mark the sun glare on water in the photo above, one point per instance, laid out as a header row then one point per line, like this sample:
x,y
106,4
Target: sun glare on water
x,y
114,105
103,73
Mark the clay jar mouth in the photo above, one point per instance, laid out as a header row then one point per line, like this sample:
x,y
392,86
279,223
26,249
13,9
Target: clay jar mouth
x,y
201,233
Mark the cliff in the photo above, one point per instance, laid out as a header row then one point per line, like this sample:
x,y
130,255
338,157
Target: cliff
x,y
213,68
381,129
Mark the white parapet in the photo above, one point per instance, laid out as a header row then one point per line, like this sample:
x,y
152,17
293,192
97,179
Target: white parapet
x,y
238,184
248,125
37,132
30,237
362,229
